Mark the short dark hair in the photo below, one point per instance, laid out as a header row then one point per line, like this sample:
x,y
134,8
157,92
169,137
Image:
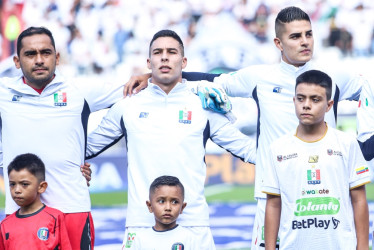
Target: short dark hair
x,y
165,180
31,163
33,31
316,77
167,33
288,15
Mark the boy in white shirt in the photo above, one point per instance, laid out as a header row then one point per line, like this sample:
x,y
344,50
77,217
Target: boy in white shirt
x,y
316,179
166,202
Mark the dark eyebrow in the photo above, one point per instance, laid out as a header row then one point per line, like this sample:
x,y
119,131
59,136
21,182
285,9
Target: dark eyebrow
x,y
46,50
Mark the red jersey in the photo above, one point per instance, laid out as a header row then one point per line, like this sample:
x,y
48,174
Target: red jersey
x,y
44,229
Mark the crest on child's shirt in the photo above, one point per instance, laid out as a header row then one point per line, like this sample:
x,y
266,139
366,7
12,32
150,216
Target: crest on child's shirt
x,y
185,116
177,246
43,233
314,176
130,239
60,98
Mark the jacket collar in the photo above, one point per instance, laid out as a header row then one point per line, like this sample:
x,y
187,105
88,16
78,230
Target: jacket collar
x,y
18,85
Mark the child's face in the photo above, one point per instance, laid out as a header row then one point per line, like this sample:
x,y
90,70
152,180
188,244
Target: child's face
x,y
24,187
166,203
311,104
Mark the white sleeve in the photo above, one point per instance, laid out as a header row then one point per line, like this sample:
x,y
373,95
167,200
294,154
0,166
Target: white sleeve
x,y
365,113
239,83
270,182
100,95
359,170
107,133
224,134
349,85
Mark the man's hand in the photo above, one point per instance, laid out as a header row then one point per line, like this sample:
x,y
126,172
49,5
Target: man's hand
x,y
214,98
136,84
86,172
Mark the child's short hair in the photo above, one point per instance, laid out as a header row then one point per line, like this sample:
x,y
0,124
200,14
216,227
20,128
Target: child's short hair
x,y
316,77
165,180
31,163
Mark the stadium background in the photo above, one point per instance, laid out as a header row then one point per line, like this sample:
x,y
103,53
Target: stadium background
x,y
108,40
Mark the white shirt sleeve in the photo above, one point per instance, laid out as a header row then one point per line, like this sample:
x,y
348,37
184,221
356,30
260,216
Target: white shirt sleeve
x,y
239,83
359,170
101,95
270,184
365,113
107,133
224,134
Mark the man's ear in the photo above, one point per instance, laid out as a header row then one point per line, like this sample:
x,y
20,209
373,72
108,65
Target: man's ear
x,y
184,62
42,187
278,43
149,63
149,205
16,62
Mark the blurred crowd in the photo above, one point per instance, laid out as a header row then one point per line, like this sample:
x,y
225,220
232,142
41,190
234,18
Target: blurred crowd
x,y
106,36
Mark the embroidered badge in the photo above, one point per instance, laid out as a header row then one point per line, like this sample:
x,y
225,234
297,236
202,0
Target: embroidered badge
x,y
43,233
60,99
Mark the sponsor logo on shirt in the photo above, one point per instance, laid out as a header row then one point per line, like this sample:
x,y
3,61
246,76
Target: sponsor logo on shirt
x,y
333,152
130,239
314,222
16,98
362,170
314,191
43,233
60,99
143,114
313,159
286,157
277,89
177,246
314,176
185,116
317,206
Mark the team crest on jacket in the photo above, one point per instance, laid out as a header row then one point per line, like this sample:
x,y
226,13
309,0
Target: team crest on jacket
x,y
60,99
43,233
177,246
185,116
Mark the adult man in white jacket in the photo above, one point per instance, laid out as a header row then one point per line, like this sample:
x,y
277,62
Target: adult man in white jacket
x,y
166,130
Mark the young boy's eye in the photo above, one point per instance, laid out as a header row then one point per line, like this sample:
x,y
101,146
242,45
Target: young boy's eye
x,y
12,184
174,202
161,201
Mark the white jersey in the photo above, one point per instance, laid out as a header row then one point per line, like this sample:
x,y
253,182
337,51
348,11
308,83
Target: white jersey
x,y
176,238
313,180
166,135
365,120
53,126
273,89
